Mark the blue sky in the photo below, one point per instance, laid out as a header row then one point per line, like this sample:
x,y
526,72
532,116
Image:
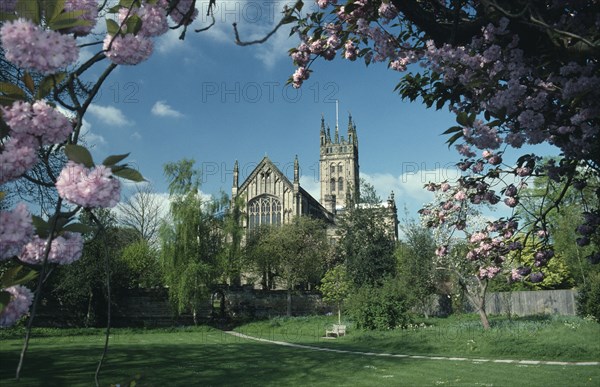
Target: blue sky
x,y
206,98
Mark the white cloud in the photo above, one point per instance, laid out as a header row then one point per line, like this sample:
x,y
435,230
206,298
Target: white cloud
x,y
91,139
136,136
161,109
109,115
170,42
408,186
311,185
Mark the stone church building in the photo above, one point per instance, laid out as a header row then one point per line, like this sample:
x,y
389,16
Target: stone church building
x,y
270,197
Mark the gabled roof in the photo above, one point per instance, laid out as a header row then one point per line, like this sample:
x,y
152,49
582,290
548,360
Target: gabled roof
x,y
266,162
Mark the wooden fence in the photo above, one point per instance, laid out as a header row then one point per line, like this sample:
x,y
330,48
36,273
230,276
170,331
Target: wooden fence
x,y
561,302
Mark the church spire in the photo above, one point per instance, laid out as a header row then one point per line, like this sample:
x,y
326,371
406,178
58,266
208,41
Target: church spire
x,y
337,135
328,134
322,124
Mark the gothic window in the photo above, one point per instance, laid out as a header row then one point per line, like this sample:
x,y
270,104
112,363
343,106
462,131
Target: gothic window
x,y
332,169
341,184
264,210
340,168
332,185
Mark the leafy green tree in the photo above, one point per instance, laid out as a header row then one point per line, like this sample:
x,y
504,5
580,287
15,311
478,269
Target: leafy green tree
x,y
143,264
80,287
415,254
191,243
259,258
335,287
366,244
561,223
379,307
232,252
295,252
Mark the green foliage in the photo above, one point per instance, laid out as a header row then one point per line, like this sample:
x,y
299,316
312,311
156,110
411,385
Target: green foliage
x,y
335,287
232,246
379,307
142,264
191,244
416,269
79,288
561,222
588,297
295,252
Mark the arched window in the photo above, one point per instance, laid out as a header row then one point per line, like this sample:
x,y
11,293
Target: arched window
x,y
264,210
341,184
340,168
332,169
332,185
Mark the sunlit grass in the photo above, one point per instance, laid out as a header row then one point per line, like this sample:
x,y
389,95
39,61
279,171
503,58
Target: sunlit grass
x,y
205,356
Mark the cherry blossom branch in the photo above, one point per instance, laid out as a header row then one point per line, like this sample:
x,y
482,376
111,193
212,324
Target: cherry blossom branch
x,y
102,231
38,291
284,20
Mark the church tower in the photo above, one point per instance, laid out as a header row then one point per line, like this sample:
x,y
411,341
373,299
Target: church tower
x,y
338,166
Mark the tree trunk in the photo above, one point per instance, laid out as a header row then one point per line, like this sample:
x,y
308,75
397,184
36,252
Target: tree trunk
x,y
484,318
194,315
340,313
88,315
289,302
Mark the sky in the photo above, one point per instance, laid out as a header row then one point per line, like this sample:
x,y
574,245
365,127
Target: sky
x,y
207,99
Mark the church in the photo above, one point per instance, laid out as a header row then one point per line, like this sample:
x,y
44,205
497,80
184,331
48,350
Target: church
x,y
270,198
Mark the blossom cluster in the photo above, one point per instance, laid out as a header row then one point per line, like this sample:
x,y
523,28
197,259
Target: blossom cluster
x,y
29,46
64,249
184,12
88,188
89,15
19,154
16,229
39,120
20,301
133,47
127,49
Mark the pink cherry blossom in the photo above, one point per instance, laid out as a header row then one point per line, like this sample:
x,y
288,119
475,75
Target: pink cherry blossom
x,y
90,15
20,301
128,50
16,229
31,47
181,11
17,156
39,120
88,188
64,249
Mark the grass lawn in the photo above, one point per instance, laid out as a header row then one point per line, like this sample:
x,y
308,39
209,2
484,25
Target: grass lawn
x,y
204,356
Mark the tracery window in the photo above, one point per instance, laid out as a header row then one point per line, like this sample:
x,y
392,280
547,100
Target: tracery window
x,y
264,210
332,168
340,168
332,185
341,184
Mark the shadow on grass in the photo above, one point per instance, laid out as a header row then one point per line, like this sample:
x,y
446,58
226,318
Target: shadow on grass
x,y
246,364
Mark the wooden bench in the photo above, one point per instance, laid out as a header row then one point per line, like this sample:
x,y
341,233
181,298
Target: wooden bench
x,y
337,330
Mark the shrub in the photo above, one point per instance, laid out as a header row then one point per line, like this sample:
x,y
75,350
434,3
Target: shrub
x,y
588,297
379,307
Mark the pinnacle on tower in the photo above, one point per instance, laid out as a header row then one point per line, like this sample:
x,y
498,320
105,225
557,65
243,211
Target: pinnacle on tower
x,y
322,124
296,170
328,134
235,174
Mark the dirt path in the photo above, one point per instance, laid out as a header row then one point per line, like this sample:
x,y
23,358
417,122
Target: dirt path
x,y
474,360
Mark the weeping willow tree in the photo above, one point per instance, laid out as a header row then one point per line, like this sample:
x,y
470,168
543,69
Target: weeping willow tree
x,y
191,241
